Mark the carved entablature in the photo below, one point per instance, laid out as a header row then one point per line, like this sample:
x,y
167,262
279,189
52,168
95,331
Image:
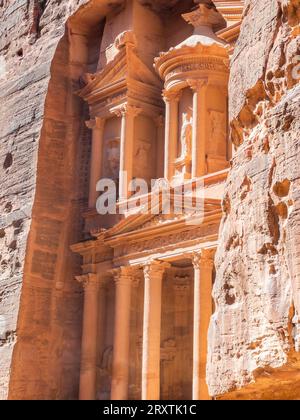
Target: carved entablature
x,y
195,69
162,243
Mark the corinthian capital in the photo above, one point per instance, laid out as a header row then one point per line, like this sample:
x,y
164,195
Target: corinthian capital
x,y
171,96
95,123
125,275
91,281
197,84
203,258
126,109
154,268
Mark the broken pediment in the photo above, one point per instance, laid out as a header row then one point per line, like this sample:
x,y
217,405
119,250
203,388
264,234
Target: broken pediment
x,y
125,70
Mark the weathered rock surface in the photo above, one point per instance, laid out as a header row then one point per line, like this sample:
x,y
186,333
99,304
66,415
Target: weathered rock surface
x,y
255,328
35,212
44,159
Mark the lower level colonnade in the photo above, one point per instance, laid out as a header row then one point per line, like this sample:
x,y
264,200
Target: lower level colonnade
x,y
125,279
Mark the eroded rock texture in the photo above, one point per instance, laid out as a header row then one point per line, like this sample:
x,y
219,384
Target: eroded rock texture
x,y
255,327
42,176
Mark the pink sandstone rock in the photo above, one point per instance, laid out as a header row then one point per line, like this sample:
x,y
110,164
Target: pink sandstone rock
x,y
255,326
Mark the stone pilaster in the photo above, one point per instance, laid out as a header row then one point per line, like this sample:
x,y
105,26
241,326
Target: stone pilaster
x,y
153,274
199,88
124,278
94,299
128,113
203,276
97,127
171,132
160,124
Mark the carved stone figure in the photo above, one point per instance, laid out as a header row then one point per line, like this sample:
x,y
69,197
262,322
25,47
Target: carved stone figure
x,y
217,126
186,135
113,158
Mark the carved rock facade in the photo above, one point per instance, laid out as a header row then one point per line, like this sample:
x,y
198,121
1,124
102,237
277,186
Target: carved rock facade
x,y
118,306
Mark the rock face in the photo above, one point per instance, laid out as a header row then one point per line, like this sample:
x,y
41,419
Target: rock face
x,y
255,328
36,216
45,47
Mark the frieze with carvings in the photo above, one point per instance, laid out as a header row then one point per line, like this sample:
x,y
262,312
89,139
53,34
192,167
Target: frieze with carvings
x,y
205,65
168,240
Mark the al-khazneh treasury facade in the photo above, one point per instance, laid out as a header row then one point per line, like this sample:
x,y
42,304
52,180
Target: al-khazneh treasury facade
x,y
157,110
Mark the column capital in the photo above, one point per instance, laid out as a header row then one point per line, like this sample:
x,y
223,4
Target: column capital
x,y
208,258
125,275
126,109
171,96
96,123
203,258
91,281
154,268
197,84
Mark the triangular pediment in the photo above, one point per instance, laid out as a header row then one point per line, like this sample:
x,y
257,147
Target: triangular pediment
x,y
125,67
141,222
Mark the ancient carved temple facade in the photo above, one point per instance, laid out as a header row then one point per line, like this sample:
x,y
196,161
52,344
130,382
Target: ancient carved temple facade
x,y
158,110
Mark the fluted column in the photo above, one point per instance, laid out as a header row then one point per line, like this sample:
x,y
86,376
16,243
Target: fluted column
x,y
97,127
203,271
171,134
127,113
153,274
120,372
94,299
199,88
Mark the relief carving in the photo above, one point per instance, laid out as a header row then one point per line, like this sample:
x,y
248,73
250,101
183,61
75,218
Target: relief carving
x,y
168,350
106,360
217,129
113,158
186,136
143,153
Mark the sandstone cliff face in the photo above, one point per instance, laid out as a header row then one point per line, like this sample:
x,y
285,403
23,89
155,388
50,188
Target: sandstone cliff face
x,y
35,212
255,328
45,47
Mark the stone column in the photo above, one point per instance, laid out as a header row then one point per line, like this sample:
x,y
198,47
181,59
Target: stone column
x,y
153,273
203,270
97,125
199,127
120,371
160,124
127,113
171,134
94,299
